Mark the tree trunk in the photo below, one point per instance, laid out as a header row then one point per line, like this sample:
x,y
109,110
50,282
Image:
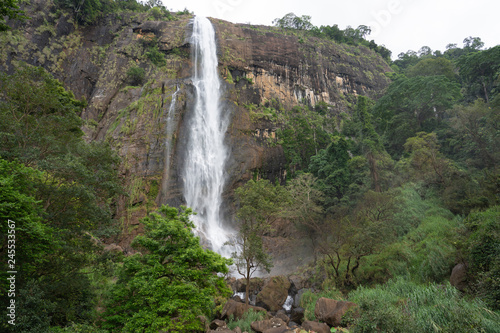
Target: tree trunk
x,y
374,172
247,288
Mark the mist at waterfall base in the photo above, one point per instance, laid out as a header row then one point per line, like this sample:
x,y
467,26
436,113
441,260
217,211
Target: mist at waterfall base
x,y
206,154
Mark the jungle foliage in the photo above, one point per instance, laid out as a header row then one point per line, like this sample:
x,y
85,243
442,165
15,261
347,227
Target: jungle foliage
x,y
404,188
391,194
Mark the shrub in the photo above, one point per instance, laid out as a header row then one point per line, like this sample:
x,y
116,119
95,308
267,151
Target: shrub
x,y
156,56
244,323
136,75
483,249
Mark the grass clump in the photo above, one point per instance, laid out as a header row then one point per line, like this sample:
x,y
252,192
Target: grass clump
x,y
404,306
246,321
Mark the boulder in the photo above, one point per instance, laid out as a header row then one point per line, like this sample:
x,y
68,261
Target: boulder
x,y
277,330
262,325
316,327
240,285
237,299
299,282
238,309
217,323
458,278
331,311
282,315
297,315
274,293
298,297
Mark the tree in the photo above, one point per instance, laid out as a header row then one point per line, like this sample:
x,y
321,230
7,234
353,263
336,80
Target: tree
x,y
367,141
348,238
473,43
85,11
304,207
259,206
475,133
431,67
483,253
292,21
425,161
413,105
407,59
302,136
331,167
170,283
18,205
73,183
480,72
38,117
10,9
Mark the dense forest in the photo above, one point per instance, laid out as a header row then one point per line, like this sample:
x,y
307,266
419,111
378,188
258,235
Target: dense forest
x,y
393,195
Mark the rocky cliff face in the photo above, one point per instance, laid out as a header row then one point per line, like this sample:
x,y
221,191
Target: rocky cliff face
x,y
257,64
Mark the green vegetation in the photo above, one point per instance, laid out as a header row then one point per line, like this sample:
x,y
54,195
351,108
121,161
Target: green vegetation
x,y
59,190
309,299
171,282
259,203
303,25
400,190
136,75
10,9
246,321
404,306
391,193
89,11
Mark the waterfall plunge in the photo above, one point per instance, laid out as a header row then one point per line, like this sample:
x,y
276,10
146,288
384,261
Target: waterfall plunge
x,y
169,133
206,154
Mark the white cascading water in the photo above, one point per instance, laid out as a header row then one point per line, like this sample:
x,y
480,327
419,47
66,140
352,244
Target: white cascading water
x,y
206,153
169,133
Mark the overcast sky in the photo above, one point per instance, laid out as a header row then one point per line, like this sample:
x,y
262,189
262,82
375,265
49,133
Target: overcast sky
x,y
400,25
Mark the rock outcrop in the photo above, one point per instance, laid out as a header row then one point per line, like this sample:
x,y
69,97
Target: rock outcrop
x,y
331,311
274,293
314,326
458,278
264,325
237,309
257,65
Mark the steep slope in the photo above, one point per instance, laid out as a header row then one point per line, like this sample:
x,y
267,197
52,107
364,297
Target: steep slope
x,y
258,64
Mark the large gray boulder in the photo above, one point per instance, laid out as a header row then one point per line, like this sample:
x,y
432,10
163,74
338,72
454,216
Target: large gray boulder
x,y
316,327
331,311
274,293
237,309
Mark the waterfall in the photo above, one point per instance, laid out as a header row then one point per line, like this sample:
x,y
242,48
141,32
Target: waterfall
x,y
169,136
206,154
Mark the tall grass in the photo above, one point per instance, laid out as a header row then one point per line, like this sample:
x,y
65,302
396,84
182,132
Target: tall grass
x,y
244,323
404,306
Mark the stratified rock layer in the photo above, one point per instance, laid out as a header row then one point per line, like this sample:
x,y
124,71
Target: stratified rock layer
x,y
257,64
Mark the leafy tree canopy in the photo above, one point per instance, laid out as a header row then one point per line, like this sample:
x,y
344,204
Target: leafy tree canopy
x,y
292,21
412,105
171,282
10,9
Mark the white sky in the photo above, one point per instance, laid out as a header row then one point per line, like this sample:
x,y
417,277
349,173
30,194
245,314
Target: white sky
x,y
400,25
